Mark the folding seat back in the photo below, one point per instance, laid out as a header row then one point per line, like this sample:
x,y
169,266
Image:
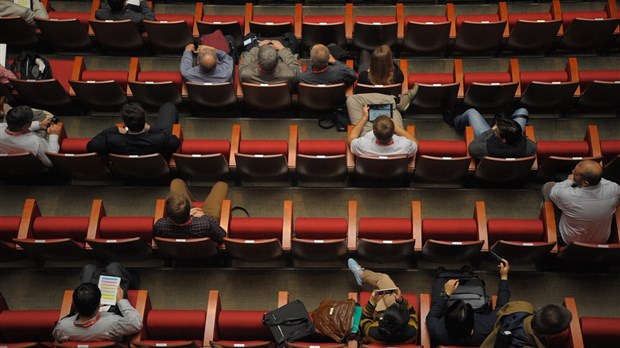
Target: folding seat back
x,y
496,170
75,162
394,169
229,25
203,160
155,88
551,90
319,239
262,162
426,34
25,328
385,239
115,36
272,26
20,165
168,36
141,167
321,163
438,96
599,88
64,34
611,159
531,35
489,90
589,33
393,89
441,162
255,239
321,98
206,96
99,89
370,32
15,32
324,30
266,97
52,94
479,33
600,332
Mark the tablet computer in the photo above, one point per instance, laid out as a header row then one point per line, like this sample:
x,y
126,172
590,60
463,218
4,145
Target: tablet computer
x,y
376,110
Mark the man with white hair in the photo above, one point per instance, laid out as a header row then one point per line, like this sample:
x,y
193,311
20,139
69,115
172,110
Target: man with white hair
x,y
270,62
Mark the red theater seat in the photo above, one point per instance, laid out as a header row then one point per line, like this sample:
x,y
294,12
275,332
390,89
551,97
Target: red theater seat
x,y
154,88
98,89
600,332
320,163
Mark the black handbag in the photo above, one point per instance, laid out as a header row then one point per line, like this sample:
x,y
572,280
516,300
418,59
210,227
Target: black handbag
x,y
289,323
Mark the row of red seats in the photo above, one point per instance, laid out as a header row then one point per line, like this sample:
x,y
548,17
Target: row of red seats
x,y
303,239
419,33
106,90
215,326
320,163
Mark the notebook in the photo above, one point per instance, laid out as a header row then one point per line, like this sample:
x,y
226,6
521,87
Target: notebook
x,y
109,287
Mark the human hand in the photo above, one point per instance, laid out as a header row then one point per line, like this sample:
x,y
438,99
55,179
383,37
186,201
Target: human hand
x,y
264,42
277,45
119,294
375,296
332,60
45,123
122,130
54,129
504,267
450,286
147,127
365,113
196,212
398,295
571,177
190,47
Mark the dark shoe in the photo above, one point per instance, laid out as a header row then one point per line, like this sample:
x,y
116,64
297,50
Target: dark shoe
x,y
448,117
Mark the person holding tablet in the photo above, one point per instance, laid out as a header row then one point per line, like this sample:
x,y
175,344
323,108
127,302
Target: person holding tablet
x,y
387,138
387,317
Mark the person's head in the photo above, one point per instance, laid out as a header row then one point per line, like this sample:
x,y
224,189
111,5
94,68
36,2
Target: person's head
x,y
550,320
133,116
177,208
19,118
383,129
267,58
460,319
508,130
86,299
394,320
207,59
381,71
319,57
587,173
116,5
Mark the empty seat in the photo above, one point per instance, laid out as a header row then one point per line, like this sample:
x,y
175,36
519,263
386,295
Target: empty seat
x,y
20,165
321,99
229,24
208,97
479,33
14,31
75,162
26,328
170,33
202,160
489,91
272,25
548,89
587,30
370,32
65,34
323,29
427,34
441,162
257,239
524,240
437,91
320,163
99,89
599,89
154,88
266,98
450,240
600,332
611,159
51,237
531,31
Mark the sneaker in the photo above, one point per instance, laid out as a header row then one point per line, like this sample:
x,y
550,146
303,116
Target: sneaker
x,y
448,117
357,271
405,99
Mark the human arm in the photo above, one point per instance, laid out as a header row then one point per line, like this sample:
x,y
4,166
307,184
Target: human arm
x,y
127,324
51,145
212,229
99,143
562,191
226,64
287,56
247,63
39,10
171,145
348,75
357,129
398,130
503,291
187,61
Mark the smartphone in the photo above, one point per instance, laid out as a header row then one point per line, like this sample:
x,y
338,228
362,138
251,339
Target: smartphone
x,y
54,120
495,257
376,110
386,291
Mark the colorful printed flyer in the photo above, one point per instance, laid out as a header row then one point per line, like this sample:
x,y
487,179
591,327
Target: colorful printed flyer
x,y
109,287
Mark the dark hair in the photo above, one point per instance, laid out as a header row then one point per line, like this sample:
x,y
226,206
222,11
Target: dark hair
x,y
86,299
394,320
383,129
19,117
133,116
177,208
116,5
551,319
459,319
509,130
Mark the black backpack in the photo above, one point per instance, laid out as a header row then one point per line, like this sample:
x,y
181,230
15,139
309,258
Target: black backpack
x,y
471,289
31,66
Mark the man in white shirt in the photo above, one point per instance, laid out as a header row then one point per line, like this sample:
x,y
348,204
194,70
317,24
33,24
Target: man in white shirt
x,y
17,134
9,8
386,138
587,203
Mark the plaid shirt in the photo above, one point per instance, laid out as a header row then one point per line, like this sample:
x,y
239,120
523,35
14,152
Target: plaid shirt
x,y
197,227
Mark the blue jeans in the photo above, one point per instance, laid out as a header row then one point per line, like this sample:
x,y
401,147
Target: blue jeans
x,y
472,117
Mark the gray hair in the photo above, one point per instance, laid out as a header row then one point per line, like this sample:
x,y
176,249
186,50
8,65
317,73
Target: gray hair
x,y
267,58
319,57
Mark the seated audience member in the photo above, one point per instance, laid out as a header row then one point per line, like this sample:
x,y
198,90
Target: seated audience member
x,y
379,68
386,318
18,134
9,8
184,221
138,137
585,204
39,116
505,139
213,65
528,327
386,138
270,62
324,69
458,324
118,10
94,322
5,75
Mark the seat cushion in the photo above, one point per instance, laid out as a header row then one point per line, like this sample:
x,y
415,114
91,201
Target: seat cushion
x,y
321,228
521,230
561,148
264,147
74,145
586,77
485,77
82,17
119,76
256,228
600,332
526,77
117,227
442,148
175,324
478,18
449,229
322,147
513,18
9,226
430,79
327,19
385,228
217,19
205,147
50,227
242,326
161,76
28,325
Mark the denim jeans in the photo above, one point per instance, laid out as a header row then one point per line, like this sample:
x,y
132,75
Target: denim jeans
x,y
472,117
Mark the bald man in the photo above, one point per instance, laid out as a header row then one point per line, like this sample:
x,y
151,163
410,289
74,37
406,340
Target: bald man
x,y
213,65
587,203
